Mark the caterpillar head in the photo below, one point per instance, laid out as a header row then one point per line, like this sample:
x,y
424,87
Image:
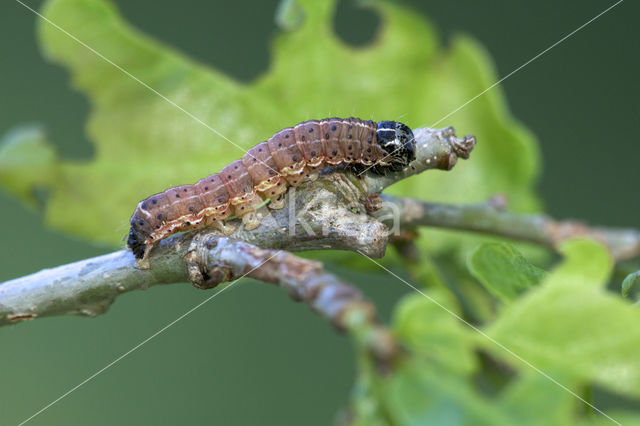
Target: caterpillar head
x,y
397,140
139,232
135,242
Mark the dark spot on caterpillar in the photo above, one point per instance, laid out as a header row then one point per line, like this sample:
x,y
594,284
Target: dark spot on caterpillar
x,y
350,136
286,137
302,138
350,147
369,140
280,144
273,192
187,223
311,130
313,153
211,180
350,126
206,188
141,223
191,208
326,135
144,206
235,167
272,172
334,152
229,177
177,195
259,149
220,200
368,149
294,158
154,201
184,189
254,159
157,226
159,216
333,128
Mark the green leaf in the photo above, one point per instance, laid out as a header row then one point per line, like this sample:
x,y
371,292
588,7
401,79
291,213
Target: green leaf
x,y
433,385
532,399
289,15
586,261
620,416
420,394
570,323
503,270
27,162
629,282
145,144
430,332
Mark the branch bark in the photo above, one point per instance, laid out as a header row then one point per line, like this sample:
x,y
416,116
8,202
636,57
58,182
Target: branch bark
x,y
492,218
213,260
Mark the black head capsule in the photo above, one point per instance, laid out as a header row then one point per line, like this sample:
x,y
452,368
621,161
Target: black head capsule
x,y
397,140
140,230
136,244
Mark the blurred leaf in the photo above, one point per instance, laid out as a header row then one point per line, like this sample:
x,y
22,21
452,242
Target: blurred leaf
x,y
420,394
620,416
289,15
26,161
433,333
585,261
532,399
477,305
629,282
432,385
503,270
145,144
571,323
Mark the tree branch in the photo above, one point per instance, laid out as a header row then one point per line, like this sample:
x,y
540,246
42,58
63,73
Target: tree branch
x,y
213,260
491,218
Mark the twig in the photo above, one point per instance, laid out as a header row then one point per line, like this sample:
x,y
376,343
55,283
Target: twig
x,y
213,260
436,149
491,218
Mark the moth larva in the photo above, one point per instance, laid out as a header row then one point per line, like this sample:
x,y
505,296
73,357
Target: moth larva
x,y
266,171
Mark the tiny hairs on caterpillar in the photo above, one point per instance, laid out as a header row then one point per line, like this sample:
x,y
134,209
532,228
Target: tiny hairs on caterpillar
x,y
288,158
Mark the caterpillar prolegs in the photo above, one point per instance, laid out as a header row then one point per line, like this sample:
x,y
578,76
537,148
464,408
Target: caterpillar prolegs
x,y
265,172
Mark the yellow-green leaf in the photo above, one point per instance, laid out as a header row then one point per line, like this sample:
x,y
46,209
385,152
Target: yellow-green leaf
x,y
570,323
26,162
503,270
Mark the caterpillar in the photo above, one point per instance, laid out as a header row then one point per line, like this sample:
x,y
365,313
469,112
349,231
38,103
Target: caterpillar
x,y
288,158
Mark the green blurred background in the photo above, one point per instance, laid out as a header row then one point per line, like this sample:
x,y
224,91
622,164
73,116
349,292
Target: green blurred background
x,y
252,356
